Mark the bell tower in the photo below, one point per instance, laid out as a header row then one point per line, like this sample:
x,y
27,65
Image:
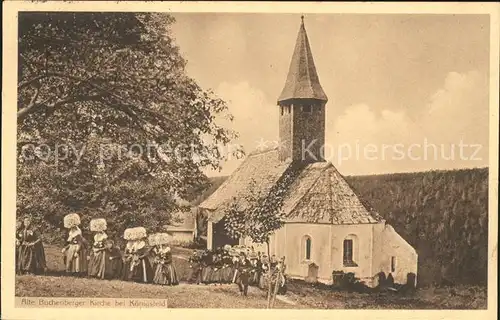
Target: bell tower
x,y
302,107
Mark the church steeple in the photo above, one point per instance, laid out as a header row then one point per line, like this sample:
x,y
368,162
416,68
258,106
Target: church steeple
x,y
302,81
302,107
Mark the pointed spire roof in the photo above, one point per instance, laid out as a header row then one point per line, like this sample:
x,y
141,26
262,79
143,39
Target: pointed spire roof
x,y
302,81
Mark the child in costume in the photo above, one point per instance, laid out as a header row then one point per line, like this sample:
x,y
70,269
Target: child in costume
x,y
235,261
207,267
254,276
281,268
127,256
195,268
154,250
217,267
165,273
244,269
227,265
114,263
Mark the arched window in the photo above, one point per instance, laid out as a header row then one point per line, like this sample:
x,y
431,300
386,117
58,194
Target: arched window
x,y
350,251
307,247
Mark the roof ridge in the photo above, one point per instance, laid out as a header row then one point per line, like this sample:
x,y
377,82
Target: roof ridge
x,y
306,56
262,151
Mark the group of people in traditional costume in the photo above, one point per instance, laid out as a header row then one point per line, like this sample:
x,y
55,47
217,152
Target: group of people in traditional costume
x,y
145,259
239,264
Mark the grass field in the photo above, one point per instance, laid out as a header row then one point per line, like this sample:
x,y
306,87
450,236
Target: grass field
x,y
300,295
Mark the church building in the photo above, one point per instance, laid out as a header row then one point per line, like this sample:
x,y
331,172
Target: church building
x,y
327,228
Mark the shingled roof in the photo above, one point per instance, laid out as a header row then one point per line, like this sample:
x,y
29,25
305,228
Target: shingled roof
x,y
302,81
262,167
318,194
321,195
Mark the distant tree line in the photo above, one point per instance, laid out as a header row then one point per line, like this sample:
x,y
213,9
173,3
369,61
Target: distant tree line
x,y
442,214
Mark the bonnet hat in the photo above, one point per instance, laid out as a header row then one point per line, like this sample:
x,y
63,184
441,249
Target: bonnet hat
x,y
98,225
137,233
71,220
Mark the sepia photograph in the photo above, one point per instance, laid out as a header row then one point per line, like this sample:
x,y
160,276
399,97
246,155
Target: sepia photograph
x,y
252,160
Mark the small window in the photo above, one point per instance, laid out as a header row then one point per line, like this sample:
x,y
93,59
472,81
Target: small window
x,y
282,110
308,243
287,109
393,264
307,108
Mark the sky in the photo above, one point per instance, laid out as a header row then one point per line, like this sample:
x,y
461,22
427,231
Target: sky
x,y
406,92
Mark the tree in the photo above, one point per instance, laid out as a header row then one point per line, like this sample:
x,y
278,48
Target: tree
x,y
258,213
109,124
449,231
257,216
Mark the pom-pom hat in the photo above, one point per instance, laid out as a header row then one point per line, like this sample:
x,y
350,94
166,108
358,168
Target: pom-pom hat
x,y
137,233
153,239
163,238
71,220
97,225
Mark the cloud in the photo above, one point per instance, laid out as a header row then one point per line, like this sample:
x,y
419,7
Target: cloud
x,y
459,109
451,132
360,123
365,141
255,118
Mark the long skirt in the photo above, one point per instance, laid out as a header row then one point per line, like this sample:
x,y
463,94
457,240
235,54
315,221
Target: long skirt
x,y
195,274
215,278
75,259
113,268
206,274
153,262
97,264
142,271
242,282
235,275
165,274
255,278
126,274
31,258
250,278
262,281
227,274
